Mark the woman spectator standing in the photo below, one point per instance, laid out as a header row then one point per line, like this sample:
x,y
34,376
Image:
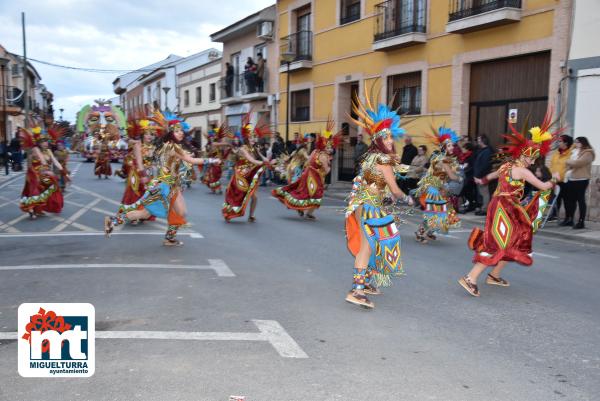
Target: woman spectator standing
x,y
558,164
579,172
250,76
416,170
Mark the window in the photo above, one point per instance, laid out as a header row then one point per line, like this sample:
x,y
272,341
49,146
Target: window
x,y
149,94
350,11
212,92
300,103
405,89
198,95
186,98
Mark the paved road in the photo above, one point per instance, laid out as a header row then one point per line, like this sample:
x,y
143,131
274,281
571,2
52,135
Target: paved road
x,y
271,294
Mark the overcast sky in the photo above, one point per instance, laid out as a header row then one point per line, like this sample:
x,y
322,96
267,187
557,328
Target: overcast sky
x,y
111,34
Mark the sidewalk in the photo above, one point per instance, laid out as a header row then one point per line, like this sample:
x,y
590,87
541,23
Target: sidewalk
x,y
12,175
589,235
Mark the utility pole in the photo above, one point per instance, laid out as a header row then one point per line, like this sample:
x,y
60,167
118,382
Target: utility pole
x,y
25,91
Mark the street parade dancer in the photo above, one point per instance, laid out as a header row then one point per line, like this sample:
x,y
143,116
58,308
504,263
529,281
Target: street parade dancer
x,y
306,193
138,163
510,225
247,171
432,190
61,154
299,157
41,192
372,235
164,196
102,165
215,148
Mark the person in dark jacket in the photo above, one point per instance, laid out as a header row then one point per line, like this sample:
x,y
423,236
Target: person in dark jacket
x,y
481,168
469,192
409,152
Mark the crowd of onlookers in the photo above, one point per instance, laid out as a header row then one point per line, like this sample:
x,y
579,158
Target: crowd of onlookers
x,y
572,160
11,155
254,76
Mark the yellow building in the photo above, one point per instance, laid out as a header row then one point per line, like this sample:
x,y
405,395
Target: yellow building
x,y
464,63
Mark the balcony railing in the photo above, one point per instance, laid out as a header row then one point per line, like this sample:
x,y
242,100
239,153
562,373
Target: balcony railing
x,y
398,17
242,84
14,97
299,44
460,9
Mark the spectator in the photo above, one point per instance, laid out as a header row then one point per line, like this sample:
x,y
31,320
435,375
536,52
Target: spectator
x,y
4,155
15,150
229,75
469,191
293,144
359,150
481,168
539,169
558,164
579,173
250,75
409,152
415,171
260,72
278,146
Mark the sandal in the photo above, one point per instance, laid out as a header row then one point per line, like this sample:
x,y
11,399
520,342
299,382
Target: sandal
x,y
251,219
310,217
499,281
420,238
372,290
471,288
358,299
32,215
172,242
108,227
431,236
300,213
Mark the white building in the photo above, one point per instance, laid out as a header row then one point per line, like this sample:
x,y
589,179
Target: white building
x,y
199,95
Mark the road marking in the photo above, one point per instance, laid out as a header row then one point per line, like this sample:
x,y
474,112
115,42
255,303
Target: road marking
x,y
19,234
7,228
97,195
217,265
11,179
269,330
545,255
75,216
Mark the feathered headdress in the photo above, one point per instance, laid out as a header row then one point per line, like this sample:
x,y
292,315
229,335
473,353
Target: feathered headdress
x,y
442,135
377,122
537,143
326,140
248,131
56,132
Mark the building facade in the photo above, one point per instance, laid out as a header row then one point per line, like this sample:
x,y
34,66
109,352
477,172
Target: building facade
x,y
200,96
13,97
466,64
243,90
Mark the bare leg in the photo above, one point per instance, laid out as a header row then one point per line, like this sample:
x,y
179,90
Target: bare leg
x,y
310,213
498,269
357,294
477,269
253,202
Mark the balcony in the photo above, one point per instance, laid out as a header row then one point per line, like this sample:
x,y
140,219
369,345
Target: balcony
x,y
243,87
298,47
15,101
399,23
471,15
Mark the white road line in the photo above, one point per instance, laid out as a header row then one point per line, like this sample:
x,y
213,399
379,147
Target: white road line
x,y
97,195
11,180
93,233
269,330
18,219
545,255
217,265
75,216
8,228
75,224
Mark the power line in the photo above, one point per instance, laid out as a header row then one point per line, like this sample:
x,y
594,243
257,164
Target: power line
x,y
94,70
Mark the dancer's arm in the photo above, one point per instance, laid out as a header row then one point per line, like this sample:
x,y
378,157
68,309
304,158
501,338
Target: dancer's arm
x,y
390,180
521,173
451,173
249,157
324,159
491,176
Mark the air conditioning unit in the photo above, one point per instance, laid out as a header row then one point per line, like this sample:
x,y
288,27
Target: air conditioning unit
x,y
265,30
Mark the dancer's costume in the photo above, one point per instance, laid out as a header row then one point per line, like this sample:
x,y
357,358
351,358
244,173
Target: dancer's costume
x,y
134,187
510,225
296,163
212,174
164,189
102,165
432,190
306,193
246,174
41,192
368,190
62,156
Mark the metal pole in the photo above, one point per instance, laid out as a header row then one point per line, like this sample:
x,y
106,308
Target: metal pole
x,y
25,91
287,106
4,122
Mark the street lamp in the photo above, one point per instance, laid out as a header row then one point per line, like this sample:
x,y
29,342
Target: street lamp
x,y
3,64
288,56
166,89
